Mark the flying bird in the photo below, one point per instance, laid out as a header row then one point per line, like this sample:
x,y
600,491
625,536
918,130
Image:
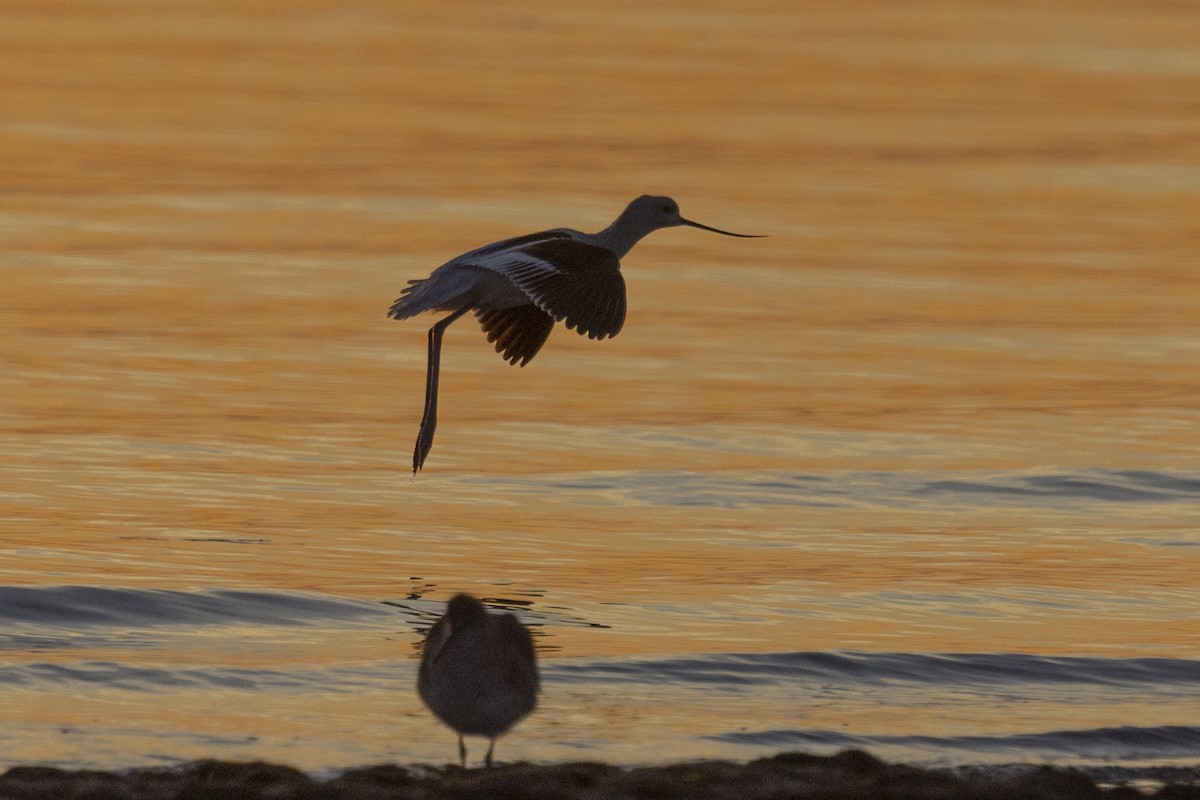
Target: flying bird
x,y
518,288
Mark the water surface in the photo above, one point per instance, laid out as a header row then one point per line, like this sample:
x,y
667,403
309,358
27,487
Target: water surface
x,y
915,474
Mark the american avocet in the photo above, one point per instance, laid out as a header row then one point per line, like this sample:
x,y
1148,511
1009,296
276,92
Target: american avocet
x,y
518,288
478,672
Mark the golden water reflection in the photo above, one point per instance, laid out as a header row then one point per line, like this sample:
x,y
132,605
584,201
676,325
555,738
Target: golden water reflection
x,y
980,263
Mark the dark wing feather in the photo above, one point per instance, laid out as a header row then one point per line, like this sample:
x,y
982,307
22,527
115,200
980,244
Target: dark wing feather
x,y
574,282
522,671
518,332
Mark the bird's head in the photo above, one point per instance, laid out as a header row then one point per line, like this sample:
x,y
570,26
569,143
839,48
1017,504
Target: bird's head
x,y
651,212
463,610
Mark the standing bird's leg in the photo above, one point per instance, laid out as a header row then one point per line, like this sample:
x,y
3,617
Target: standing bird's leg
x,y
488,758
429,418
462,751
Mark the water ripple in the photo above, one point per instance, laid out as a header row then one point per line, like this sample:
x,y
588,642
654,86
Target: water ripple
x,y
85,606
891,669
1107,486
1125,744
127,678
686,489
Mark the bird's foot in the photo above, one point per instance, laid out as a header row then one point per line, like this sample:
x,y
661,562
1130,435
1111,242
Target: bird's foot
x,y
424,444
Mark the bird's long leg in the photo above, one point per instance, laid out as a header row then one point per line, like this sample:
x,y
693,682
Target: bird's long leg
x,y
429,418
488,758
462,751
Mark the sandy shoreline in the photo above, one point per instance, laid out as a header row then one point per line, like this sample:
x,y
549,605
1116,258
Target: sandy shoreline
x,y
847,776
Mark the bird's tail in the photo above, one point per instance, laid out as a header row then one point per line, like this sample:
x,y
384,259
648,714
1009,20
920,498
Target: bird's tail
x,y
444,290
412,301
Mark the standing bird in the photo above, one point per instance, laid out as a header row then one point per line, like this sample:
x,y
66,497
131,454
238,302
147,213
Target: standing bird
x,y
518,288
478,672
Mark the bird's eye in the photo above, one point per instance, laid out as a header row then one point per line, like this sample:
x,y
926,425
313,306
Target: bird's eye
x,y
668,208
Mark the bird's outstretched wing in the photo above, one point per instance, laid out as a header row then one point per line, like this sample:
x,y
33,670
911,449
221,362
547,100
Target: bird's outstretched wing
x,y
519,333
576,283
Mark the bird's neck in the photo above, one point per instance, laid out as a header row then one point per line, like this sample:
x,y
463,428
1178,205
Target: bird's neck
x,y
620,237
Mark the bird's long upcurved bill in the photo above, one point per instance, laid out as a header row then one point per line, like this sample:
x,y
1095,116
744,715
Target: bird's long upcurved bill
x,y
723,233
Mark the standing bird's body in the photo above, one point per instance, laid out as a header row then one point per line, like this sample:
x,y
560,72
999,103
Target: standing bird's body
x,y
519,287
478,672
